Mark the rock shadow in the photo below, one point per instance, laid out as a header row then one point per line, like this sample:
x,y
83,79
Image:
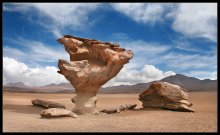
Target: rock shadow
x,y
25,109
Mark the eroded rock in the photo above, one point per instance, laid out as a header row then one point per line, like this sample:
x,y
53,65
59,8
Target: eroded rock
x,y
166,96
119,109
57,112
92,64
47,104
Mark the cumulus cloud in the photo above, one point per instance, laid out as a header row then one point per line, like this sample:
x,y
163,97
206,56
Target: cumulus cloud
x,y
196,20
129,76
67,14
56,16
153,53
14,71
135,72
143,13
191,19
34,51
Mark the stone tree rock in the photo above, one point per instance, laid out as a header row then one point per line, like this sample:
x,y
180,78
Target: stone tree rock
x,y
92,64
166,96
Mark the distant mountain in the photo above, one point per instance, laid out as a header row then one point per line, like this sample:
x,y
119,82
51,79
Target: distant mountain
x,y
56,87
51,88
18,84
137,88
63,85
189,83
18,87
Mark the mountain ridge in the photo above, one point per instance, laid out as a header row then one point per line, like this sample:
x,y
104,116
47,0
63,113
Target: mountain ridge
x,y
189,83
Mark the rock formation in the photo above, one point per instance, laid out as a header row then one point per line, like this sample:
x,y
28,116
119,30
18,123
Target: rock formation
x,y
47,104
166,96
92,64
119,109
57,112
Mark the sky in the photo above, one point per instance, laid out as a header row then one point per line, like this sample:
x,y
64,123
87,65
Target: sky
x,y
166,39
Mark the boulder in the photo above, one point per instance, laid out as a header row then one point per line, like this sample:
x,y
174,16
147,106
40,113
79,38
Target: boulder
x,y
92,64
57,112
166,96
47,104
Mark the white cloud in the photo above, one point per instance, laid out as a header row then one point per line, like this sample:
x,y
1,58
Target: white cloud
x,y
203,74
57,33
158,54
14,7
145,52
14,71
130,76
193,20
13,52
153,53
56,16
140,46
35,51
142,12
189,61
196,20
66,14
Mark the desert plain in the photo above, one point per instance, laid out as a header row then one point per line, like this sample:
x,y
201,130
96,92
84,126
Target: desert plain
x,y
20,116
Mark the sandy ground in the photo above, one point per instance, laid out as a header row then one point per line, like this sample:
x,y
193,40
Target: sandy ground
x,y
20,116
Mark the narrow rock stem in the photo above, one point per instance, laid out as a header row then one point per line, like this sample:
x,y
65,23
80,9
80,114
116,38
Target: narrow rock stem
x,y
85,102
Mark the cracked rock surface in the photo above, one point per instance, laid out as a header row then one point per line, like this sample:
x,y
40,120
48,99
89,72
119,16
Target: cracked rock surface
x,y
166,96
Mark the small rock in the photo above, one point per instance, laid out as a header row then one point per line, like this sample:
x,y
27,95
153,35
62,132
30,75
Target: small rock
x,y
119,109
57,112
47,104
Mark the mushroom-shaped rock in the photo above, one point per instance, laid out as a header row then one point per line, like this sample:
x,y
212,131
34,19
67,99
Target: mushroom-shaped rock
x,y
92,64
166,96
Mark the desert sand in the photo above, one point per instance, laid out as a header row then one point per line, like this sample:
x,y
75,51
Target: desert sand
x,y
20,116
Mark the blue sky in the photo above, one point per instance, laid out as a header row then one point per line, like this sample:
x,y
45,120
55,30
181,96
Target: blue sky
x,y
166,38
